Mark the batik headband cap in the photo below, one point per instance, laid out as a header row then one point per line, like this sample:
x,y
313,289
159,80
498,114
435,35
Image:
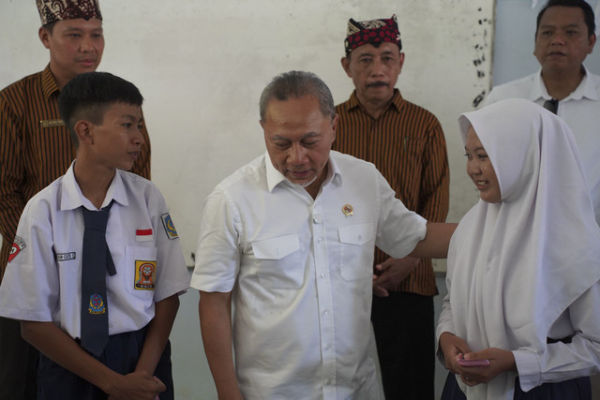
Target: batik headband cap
x,y
58,10
375,32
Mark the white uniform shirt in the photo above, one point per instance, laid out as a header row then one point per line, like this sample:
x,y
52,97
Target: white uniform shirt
x,y
581,112
301,275
43,279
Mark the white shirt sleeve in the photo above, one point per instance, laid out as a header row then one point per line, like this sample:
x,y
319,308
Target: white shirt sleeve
x,y
30,286
564,361
445,323
173,276
217,254
399,229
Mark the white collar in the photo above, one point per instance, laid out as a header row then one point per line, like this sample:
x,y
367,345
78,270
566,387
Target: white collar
x,y
274,177
71,196
585,89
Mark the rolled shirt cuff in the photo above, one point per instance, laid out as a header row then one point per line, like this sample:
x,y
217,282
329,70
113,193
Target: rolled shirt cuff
x,y
528,368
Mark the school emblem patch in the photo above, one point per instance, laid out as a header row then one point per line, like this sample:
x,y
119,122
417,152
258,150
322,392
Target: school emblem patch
x,y
97,305
169,227
18,245
145,275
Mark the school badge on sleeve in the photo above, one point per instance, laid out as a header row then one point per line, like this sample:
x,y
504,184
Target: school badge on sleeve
x,y
145,275
169,227
97,305
18,245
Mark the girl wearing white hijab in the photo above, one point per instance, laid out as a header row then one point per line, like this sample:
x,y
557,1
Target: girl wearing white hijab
x,y
523,265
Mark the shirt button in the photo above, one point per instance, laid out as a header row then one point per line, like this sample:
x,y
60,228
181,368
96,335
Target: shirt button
x,y
317,219
319,240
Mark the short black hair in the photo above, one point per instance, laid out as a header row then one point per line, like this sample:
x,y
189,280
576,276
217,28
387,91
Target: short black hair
x,y
588,13
297,84
49,27
88,95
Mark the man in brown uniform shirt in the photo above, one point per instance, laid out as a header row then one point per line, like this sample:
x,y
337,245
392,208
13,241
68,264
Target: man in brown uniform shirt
x,y
35,149
407,144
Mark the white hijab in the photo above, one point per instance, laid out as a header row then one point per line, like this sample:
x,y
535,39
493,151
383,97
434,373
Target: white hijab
x,y
515,266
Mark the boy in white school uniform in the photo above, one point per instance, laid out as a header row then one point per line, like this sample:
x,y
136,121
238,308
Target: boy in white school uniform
x,y
96,268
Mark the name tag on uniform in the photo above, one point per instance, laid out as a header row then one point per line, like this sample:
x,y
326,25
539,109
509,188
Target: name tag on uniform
x,y
51,123
65,256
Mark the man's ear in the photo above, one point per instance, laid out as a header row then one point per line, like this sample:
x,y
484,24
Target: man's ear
x,y
44,36
84,131
401,60
592,40
345,61
334,124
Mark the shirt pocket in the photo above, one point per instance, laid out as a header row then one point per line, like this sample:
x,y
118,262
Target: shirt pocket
x,y
279,263
141,270
357,245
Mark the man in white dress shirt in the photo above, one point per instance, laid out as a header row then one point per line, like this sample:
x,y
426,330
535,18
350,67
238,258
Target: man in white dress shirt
x,y
288,239
563,39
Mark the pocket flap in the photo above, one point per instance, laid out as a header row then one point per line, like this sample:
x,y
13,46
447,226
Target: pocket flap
x,y
276,248
357,234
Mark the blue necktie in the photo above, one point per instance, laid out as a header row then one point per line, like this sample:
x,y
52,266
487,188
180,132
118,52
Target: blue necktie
x,y
551,105
96,262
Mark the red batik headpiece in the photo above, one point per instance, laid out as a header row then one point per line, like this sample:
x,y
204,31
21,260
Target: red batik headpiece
x,y
375,32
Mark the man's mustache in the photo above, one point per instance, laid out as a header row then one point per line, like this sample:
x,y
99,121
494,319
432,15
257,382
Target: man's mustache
x,y
377,84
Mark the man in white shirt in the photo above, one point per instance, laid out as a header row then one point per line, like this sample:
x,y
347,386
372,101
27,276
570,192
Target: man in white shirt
x,y
564,37
289,239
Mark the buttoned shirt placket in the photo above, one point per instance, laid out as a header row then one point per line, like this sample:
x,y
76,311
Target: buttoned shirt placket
x,y
324,287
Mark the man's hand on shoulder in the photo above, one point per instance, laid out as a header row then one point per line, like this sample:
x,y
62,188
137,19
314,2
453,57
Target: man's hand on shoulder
x,y
390,273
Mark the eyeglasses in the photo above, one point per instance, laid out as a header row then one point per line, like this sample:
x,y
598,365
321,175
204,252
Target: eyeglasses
x,y
551,105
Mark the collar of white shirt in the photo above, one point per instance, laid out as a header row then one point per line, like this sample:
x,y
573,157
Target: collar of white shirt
x,y
584,90
274,177
71,196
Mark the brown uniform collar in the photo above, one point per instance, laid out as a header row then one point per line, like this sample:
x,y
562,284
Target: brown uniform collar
x,y
396,103
49,85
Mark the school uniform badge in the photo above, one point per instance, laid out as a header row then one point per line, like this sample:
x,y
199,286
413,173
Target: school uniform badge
x,y
145,275
17,247
169,226
97,305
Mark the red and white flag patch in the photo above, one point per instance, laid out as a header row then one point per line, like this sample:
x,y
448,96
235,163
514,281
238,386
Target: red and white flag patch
x,y
143,235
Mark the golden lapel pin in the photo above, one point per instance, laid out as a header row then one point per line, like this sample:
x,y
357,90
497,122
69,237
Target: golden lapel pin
x,y
348,210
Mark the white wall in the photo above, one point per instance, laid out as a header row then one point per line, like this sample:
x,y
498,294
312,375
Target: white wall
x,y
202,65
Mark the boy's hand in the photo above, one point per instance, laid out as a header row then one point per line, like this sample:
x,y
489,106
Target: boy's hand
x,y
136,386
